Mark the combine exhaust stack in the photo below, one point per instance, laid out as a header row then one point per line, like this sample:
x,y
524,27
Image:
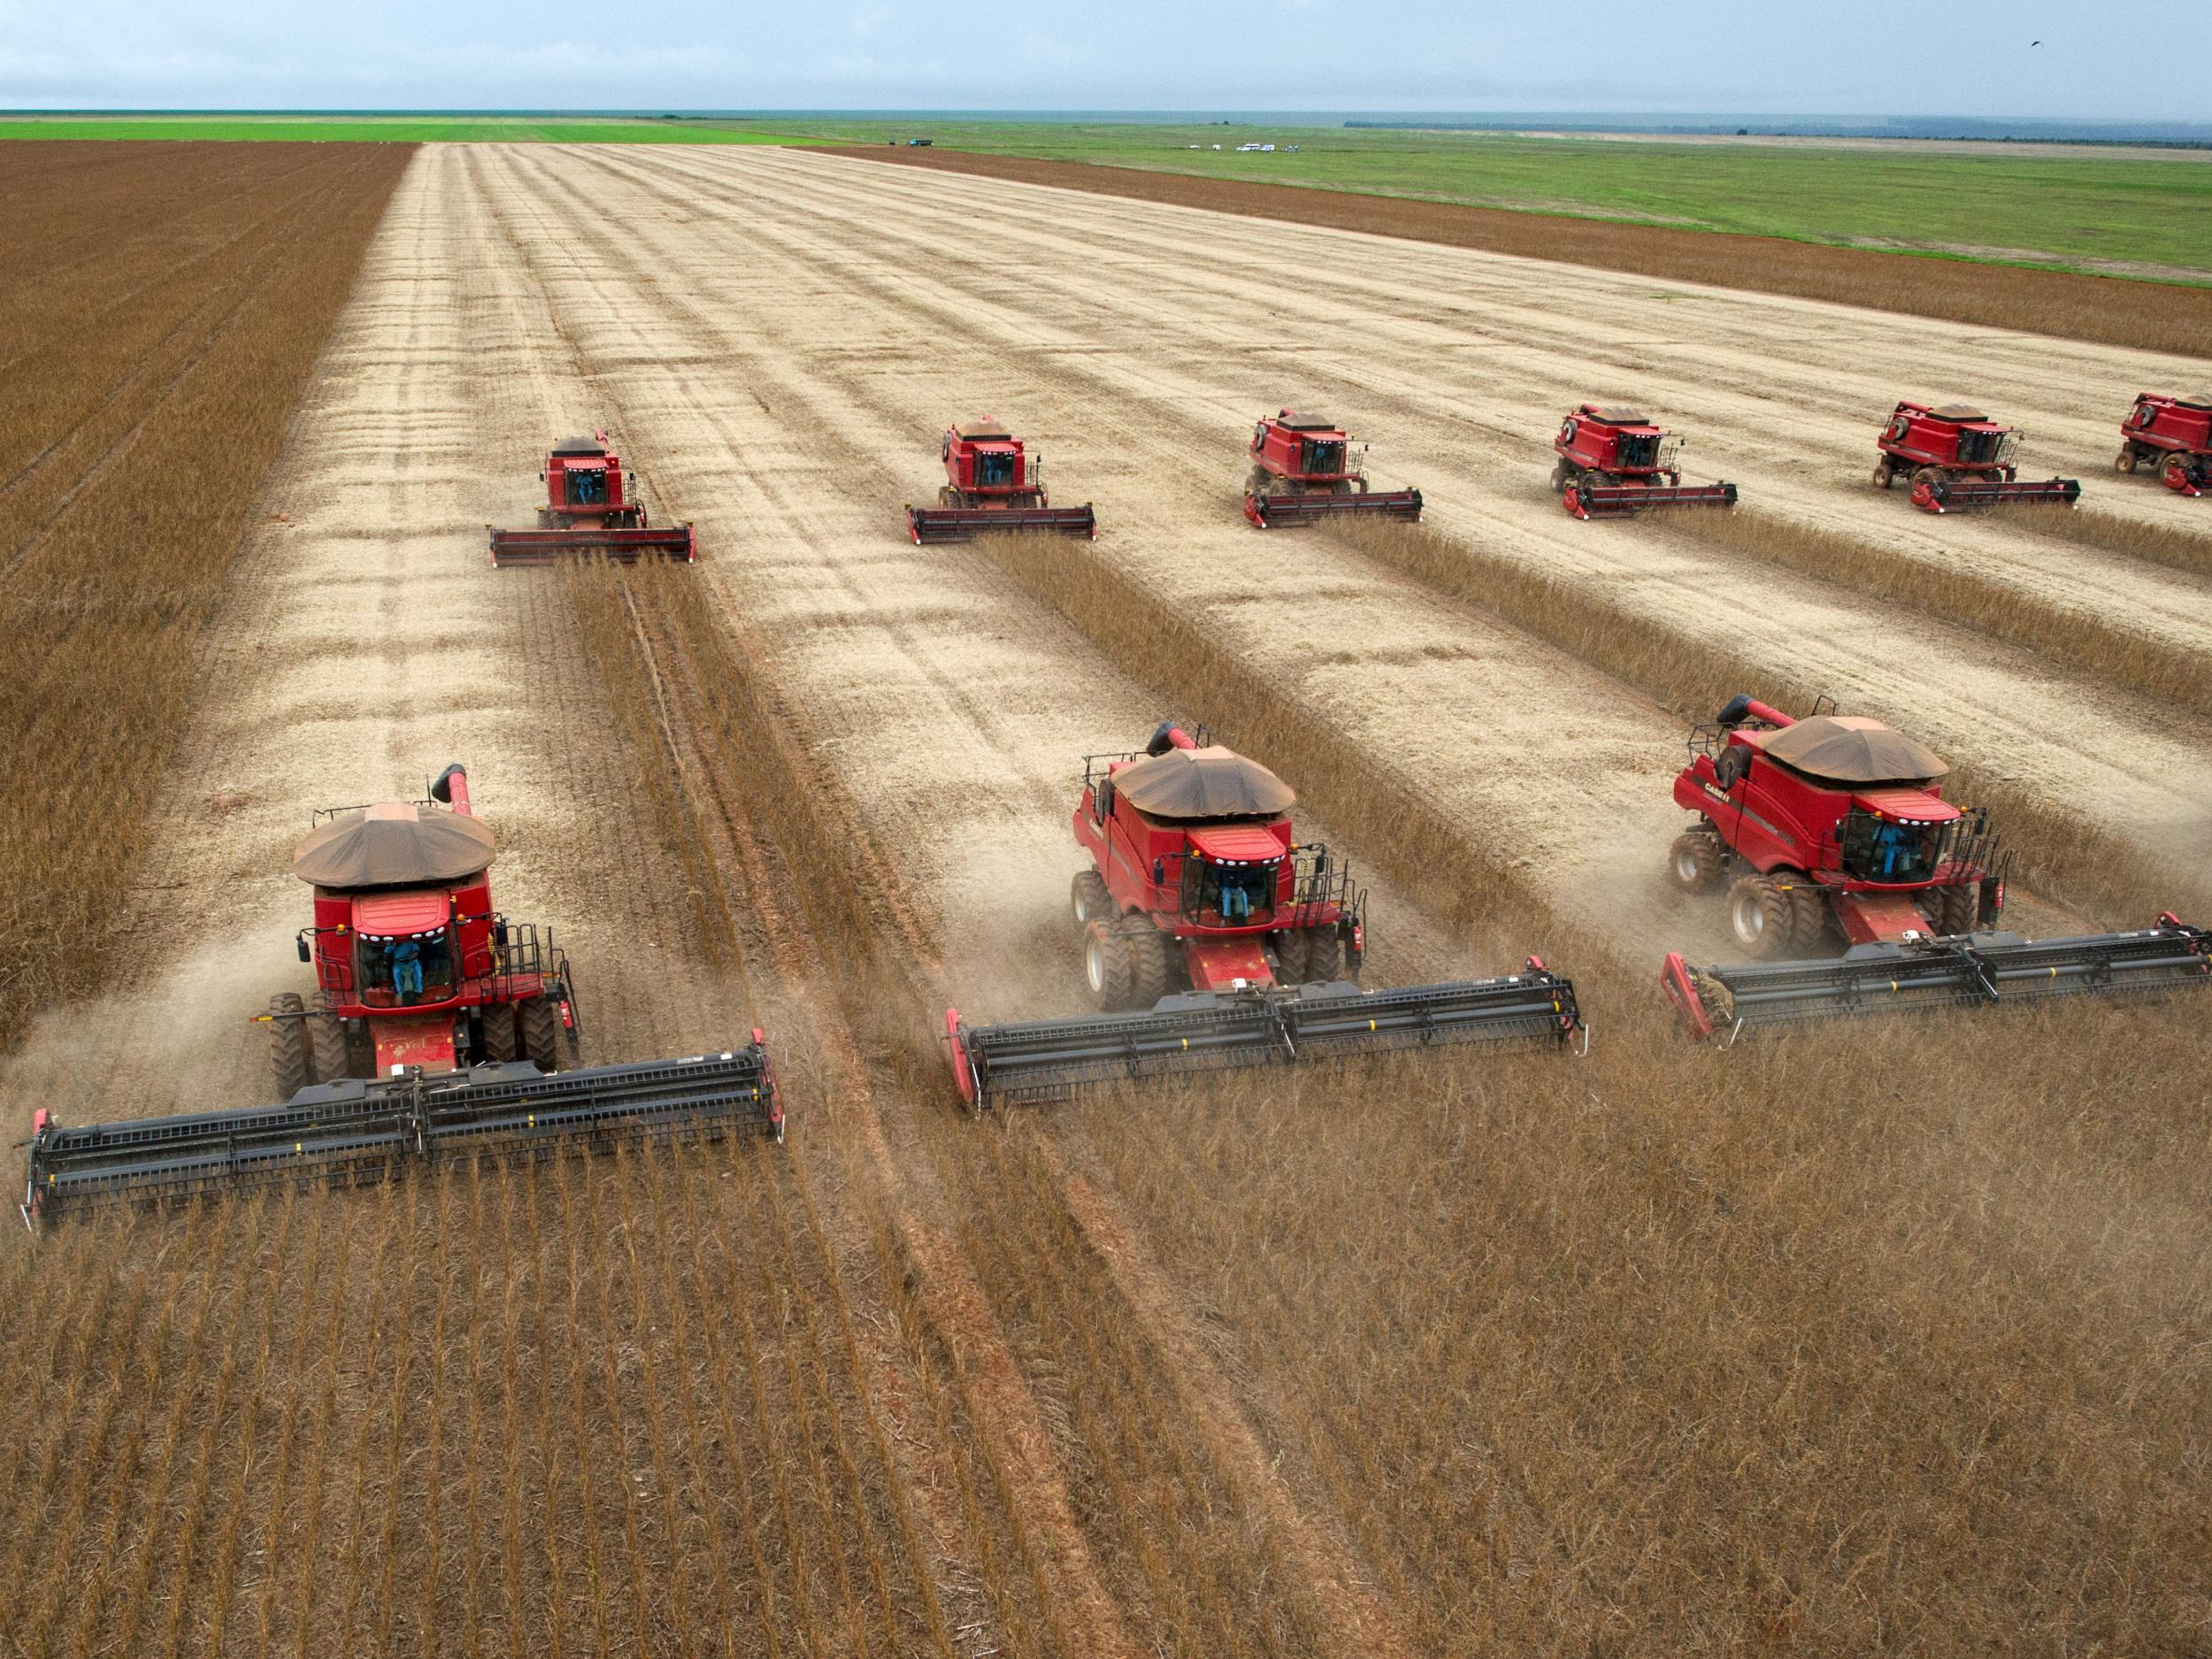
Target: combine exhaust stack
x,y
1626,500
1968,969
358,1131
1052,1059
1940,495
932,525
1268,511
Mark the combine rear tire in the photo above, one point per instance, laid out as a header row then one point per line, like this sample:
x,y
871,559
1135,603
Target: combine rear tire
x,y
541,1018
1089,899
1148,964
1762,916
2125,462
287,1044
326,1046
1324,955
1696,862
500,1042
1884,475
1293,957
1106,965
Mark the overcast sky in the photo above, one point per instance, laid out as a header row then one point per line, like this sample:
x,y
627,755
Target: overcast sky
x,y
1730,55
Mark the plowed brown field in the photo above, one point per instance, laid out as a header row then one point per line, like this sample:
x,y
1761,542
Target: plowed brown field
x,y
1861,1340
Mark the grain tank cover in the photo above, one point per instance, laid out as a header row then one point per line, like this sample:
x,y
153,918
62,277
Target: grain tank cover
x,y
1957,411
1202,783
1851,749
394,845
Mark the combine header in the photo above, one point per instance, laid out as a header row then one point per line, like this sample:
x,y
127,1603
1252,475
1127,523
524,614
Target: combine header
x,y
1615,464
1304,469
586,511
993,486
1958,457
1835,823
357,1131
2173,435
1197,882
436,1024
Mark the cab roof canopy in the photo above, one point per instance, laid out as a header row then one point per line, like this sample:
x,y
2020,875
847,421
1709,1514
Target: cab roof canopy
x,y
1189,784
1294,421
1851,749
395,844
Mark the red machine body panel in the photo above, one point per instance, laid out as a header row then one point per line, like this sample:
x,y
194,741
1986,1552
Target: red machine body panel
x,y
993,484
1224,892
1957,456
1885,859
1614,462
588,509
1305,467
2172,435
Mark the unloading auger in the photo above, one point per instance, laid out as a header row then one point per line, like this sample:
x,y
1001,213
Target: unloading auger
x,y
1197,881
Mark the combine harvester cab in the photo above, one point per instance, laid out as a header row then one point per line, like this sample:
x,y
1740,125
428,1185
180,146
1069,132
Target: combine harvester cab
x,y
1213,941
1957,458
436,1024
1615,464
1835,824
993,486
2172,435
587,510
1305,469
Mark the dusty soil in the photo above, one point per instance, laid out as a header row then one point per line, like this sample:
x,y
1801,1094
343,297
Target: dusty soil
x,y
2101,309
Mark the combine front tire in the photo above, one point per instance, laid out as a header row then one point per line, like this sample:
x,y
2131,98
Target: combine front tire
x,y
1087,898
287,1044
500,1040
1148,963
1107,966
1811,907
1324,955
2175,472
326,1046
541,1018
1293,957
1696,862
1762,916
1953,910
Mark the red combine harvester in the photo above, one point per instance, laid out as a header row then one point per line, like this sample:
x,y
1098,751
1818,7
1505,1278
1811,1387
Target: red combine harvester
x,y
587,510
1213,940
436,1025
1614,464
1956,457
993,485
1304,468
2174,435
1836,823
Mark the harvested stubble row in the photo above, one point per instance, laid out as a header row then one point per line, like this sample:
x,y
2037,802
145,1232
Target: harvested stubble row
x,y
164,306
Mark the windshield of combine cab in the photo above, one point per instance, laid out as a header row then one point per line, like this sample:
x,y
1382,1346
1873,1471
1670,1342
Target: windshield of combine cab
x,y
403,970
1639,449
586,487
1324,456
1979,449
1228,895
995,470
1880,849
